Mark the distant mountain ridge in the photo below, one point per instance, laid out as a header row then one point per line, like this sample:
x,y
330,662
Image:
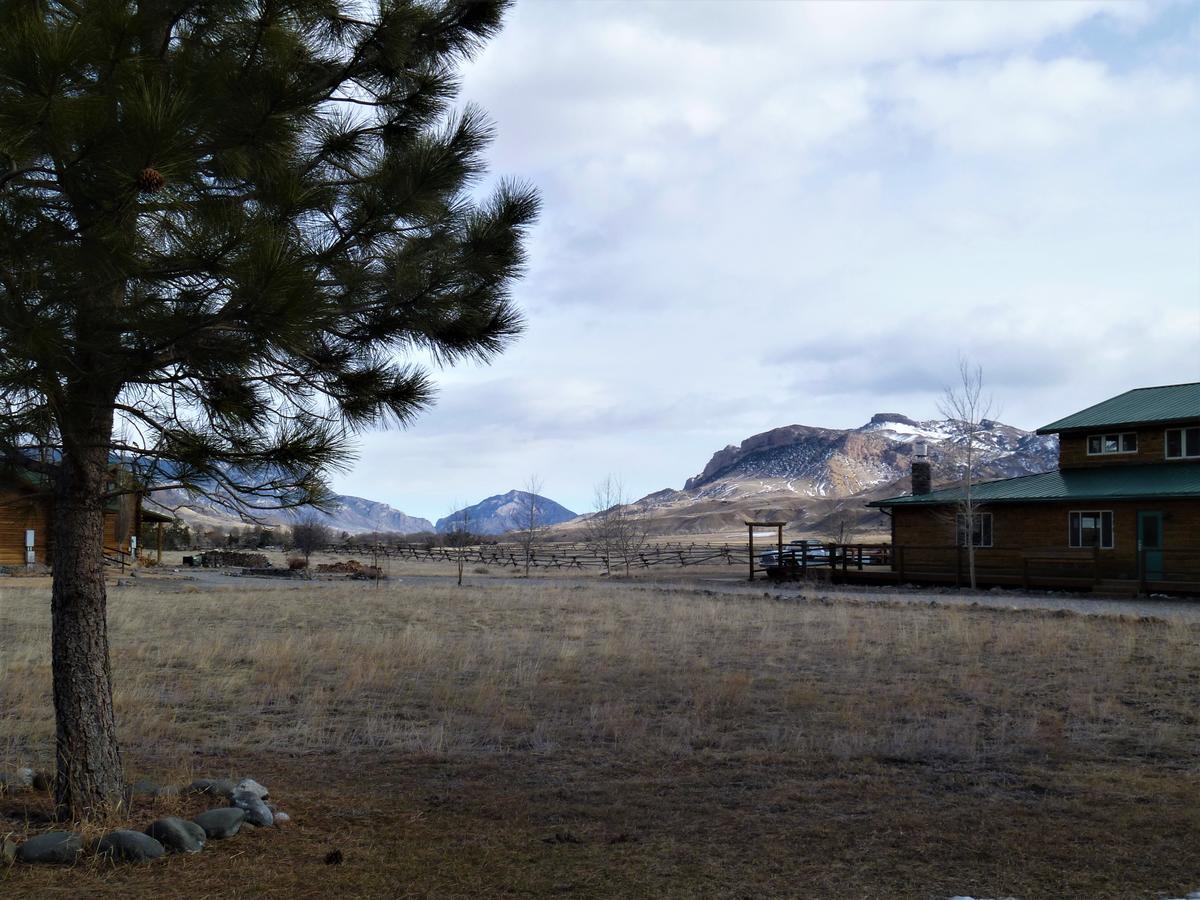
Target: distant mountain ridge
x,y
353,515
806,475
800,474
841,462
357,515
505,512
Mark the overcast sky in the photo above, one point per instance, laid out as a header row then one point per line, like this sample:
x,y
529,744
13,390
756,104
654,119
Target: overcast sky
x,y
765,214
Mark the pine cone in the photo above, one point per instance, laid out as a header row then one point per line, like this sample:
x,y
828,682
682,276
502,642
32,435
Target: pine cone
x,y
150,181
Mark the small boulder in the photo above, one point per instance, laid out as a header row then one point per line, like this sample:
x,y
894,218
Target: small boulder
x,y
221,823
144,787
250,786
51,847
20,780
178,835
124,845
281,818
167,790
217,787
257,812
8,852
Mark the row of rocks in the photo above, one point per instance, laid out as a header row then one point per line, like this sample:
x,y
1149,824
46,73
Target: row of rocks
x,y
169,834
247,795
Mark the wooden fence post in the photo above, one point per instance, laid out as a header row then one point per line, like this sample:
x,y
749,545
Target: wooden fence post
x,y
751,528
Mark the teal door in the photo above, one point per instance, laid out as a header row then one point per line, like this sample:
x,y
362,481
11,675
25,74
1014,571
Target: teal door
x,y
1150,545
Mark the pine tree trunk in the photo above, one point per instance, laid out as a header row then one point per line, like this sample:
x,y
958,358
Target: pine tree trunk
x,y
89,783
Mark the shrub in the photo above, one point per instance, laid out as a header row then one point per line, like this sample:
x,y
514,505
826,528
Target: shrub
x,y
297,562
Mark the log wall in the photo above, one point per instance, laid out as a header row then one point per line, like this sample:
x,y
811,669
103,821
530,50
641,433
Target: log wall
x,y
18,511
925,536
1072,449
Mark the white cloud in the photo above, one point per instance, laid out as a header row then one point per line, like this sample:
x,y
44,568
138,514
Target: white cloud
x,y
860,33
1022,104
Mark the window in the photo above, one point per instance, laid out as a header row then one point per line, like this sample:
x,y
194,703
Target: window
x,y
1091,529
1123,442
1183,443
981,534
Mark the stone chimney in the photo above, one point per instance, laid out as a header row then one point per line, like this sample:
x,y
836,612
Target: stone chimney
x,y
922,472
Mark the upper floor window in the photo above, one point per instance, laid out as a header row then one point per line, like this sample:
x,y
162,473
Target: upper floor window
x,y
1099,444
1183,443
981,534
1091,529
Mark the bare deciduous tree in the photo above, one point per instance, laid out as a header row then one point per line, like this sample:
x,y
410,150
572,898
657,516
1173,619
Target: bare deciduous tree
x,y
532,520
616,530
842,521
310,535
459,538
968,409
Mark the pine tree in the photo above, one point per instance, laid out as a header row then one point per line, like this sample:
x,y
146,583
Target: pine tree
x,y
226,228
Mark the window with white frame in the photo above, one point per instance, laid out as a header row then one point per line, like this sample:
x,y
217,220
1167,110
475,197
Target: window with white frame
x,y
1183,443
1103,444
981,533
1091,528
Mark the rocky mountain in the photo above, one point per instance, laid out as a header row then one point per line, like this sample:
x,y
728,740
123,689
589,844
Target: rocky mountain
x,y
816,477
354,515
821,462
813,478
505,512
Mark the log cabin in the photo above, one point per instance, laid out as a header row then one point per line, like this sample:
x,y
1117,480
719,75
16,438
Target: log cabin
x,y
1121,511
26,508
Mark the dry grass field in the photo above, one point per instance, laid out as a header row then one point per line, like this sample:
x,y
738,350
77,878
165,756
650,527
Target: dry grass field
x,y
538,739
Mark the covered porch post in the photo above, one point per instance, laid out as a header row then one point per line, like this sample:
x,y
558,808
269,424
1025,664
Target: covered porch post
x,y
778,526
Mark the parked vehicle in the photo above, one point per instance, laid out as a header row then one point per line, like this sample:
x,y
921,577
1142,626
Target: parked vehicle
x,y
797,553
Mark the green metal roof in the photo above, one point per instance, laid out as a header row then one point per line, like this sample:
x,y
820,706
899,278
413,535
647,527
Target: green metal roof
x,y
1169,403
1157,480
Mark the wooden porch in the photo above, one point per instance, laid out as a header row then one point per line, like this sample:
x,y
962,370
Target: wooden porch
x,y
1165,572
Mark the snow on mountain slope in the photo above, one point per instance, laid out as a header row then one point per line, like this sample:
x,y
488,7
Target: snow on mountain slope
x,y
505,512
822,462
809,476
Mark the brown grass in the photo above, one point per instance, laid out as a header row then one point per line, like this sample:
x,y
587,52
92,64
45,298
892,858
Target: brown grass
x,y
518,739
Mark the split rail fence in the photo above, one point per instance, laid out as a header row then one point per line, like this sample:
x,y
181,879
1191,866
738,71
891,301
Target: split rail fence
x,y
559,556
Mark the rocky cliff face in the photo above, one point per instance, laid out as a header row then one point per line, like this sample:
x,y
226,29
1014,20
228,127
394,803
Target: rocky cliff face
x,y
822,462
356,515
814,477
505,512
